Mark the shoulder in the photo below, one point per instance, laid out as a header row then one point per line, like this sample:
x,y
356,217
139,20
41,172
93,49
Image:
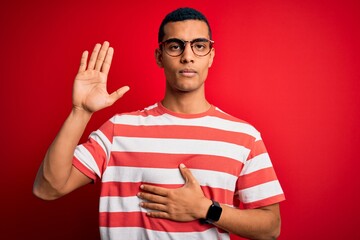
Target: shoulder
x,y
150,111
235,123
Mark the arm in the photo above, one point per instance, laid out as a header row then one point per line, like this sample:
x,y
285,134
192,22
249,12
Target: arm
x,y
189,203
260,223
56,175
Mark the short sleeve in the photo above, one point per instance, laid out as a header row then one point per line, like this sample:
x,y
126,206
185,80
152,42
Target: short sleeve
x,y
258,185
91,157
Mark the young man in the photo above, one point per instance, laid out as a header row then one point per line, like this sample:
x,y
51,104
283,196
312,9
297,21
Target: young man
x,y
179,169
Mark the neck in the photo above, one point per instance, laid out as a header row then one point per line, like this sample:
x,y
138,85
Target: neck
x,y
187,103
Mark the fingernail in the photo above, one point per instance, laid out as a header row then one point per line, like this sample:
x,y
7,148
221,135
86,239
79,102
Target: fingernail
x,y
182,165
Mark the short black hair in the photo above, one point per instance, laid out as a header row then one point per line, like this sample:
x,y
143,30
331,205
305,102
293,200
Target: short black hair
x,y
182,14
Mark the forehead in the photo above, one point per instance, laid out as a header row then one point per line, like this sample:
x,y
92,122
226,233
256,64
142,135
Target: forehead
x,y
186,30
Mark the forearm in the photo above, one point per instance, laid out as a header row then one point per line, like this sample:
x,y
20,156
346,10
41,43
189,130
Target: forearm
x,y
261,223
57,164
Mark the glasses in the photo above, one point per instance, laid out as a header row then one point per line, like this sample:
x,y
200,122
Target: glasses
x,y
175,47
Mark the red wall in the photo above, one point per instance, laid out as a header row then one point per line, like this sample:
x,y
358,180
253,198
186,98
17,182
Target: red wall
x,y
291,68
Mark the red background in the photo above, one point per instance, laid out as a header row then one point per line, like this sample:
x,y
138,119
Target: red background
x,y
291,68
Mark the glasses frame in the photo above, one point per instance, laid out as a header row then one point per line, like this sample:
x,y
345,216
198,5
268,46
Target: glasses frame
x,y
184,45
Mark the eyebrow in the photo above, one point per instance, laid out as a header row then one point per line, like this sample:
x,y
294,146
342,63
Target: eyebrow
x,y
195,39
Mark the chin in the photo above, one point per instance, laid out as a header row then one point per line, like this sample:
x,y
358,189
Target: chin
x,y
185,85
188,88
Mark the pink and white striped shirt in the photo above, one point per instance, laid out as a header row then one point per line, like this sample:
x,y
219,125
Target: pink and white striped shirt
x,y
226,155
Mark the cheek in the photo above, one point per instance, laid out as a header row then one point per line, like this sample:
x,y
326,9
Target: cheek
x,y
204,75
205,69
169,72
170,67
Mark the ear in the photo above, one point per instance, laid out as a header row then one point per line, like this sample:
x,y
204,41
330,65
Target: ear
x,y
212,55
158,57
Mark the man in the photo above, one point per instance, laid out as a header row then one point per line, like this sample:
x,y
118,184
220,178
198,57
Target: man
x,y
179,169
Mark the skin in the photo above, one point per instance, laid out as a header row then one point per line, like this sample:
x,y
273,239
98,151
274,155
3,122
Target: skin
x,y
184,93
57,176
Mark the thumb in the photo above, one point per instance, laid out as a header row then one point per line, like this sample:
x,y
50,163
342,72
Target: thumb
x,y
187,175
118,94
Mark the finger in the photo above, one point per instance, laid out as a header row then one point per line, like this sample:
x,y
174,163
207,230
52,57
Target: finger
x,y
107,62
83,61
117,94
156,190
156,199
158,215
153,206
101,56
187,175
93,57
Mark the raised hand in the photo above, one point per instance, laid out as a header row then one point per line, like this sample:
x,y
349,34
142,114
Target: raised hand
x,y
181,204
90,86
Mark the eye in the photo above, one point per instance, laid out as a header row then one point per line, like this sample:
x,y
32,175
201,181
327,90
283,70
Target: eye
x,y
200,46
173,46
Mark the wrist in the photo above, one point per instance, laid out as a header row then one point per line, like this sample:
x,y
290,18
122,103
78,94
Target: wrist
x,y
205,208
80,114
213,213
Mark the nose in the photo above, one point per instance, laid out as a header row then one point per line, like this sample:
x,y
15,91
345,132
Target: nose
x,y
188,54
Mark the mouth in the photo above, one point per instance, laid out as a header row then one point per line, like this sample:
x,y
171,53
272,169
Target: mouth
x,y
188,72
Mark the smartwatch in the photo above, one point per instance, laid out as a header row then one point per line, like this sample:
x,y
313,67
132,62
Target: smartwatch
x,y
214,213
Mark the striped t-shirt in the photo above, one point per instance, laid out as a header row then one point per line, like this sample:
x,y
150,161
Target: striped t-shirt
x,y
226,155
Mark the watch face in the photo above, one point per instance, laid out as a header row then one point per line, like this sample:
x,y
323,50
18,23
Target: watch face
x,y
214,212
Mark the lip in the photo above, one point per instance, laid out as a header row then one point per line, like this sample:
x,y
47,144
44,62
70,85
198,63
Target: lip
x,y
188,72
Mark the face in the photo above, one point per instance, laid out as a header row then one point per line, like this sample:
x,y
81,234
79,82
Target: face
x,y
187,72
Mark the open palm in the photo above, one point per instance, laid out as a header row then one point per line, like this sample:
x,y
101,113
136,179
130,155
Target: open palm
x,y
90,86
